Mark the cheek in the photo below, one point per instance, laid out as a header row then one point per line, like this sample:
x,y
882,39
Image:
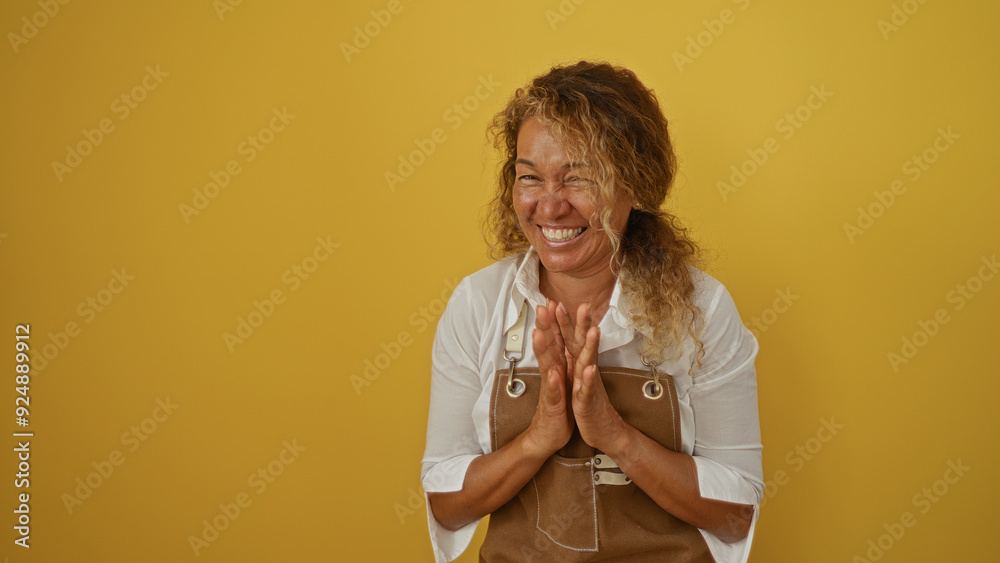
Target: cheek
x,y
524,204
582,205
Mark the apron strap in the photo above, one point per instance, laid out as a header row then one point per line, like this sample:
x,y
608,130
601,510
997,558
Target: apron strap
x,y
515,336
514,350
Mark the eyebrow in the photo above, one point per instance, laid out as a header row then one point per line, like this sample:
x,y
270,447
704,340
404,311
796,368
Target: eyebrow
x,y
566,166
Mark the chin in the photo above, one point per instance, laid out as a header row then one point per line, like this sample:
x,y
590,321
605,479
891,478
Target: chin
x,y
559,264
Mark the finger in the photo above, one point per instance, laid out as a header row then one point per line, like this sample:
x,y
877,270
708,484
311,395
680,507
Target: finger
x,y
555,338
588,392
583,323
542,317
549,358
543,326
588,356
565,322
557,329
553,392
549,350
541,349
588,382
584,391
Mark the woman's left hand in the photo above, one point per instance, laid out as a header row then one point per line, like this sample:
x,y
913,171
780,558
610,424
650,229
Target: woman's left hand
x,y
596,418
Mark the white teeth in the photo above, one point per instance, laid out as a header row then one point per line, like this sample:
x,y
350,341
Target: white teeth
x,y
559,235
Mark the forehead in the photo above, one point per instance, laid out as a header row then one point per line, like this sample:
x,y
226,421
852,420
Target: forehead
x,y
539,145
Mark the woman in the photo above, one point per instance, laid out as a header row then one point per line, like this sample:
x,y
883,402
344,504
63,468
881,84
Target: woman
x,y
628,429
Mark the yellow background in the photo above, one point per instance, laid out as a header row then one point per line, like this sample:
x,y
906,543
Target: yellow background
x,y
347,495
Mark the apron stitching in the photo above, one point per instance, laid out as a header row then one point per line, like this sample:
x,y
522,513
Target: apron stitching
x,y
539,526
593,495
568,546
538,503
496,400
604,370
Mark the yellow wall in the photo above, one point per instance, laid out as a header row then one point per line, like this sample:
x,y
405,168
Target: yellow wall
x,y
160,99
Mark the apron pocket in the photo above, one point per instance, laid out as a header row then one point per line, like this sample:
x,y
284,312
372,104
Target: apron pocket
x,y
567,511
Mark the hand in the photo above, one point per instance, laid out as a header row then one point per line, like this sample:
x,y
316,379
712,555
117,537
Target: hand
x,y
552,425
573,331
599,423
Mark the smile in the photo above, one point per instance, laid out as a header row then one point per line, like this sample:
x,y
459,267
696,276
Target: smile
x,y
561,235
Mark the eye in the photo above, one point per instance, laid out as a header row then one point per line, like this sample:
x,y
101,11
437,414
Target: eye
x,y
527,178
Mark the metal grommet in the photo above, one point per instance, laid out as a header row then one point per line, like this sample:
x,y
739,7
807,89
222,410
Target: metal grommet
x,y
652,389
515,387
597,461
597,477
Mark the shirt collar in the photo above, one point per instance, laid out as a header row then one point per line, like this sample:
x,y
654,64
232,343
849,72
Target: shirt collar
x,y
525,288
615,327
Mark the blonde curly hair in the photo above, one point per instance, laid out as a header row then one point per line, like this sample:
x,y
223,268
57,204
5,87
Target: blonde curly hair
x,y
604,115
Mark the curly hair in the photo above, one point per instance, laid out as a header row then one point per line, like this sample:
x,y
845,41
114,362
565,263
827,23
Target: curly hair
x,y
604,115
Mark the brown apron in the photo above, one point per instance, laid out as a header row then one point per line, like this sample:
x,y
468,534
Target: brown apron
x,y
579,506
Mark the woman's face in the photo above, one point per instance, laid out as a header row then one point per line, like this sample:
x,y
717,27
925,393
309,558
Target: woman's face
x,y
554,209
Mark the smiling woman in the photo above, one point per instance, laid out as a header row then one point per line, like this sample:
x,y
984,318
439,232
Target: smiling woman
x,y
554,203
583,446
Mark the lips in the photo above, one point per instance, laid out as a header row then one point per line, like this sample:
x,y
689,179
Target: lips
x,y
561,235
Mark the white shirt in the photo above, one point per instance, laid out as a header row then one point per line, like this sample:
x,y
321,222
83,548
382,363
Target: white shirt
x,y
718,402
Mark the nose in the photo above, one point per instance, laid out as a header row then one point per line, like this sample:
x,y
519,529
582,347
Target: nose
x,y
553,202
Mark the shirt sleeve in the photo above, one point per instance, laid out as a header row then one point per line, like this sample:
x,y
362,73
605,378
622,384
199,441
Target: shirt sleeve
x,y
452,442
727,447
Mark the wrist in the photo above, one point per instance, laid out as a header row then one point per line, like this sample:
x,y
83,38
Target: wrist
x,y
621,441
530,449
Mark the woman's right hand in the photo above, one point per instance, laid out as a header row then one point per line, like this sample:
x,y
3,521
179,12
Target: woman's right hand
x,y
553,423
